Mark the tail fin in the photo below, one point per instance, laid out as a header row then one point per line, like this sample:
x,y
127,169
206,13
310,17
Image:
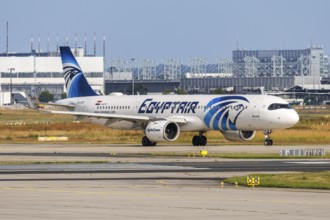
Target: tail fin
x,y
75,81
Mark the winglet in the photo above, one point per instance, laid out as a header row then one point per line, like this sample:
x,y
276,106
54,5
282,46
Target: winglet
x,y
75,81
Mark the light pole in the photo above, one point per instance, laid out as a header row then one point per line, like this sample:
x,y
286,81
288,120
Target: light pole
x,y
11,85
1,93
132,60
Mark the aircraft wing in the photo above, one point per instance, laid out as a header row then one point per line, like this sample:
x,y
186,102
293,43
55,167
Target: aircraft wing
x,y
132,118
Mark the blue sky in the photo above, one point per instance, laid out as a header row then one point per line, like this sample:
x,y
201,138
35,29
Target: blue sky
x,y
160,29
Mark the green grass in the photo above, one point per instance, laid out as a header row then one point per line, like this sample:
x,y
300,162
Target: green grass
x,y
24,126
306,180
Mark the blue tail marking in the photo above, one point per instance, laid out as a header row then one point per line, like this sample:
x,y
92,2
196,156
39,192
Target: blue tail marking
x,y
75,81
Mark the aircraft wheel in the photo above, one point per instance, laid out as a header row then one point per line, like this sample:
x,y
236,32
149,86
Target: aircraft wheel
x,y
196,140
145,141
203,140
199,140
268,142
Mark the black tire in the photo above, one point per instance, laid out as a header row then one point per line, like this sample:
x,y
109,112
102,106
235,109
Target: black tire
x,y
268,142
145,141
196,140
203,140
153,143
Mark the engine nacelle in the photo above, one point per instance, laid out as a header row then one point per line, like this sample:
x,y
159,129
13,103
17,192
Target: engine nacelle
x,y
239,135
162,131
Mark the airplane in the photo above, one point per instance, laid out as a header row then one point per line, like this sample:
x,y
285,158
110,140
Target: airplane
x,y
163,117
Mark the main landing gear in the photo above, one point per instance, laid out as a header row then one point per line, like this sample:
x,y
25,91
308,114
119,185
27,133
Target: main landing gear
x,y
199,140
268,141
147,142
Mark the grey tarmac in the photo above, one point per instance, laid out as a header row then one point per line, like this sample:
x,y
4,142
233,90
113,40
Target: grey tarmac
x,y
184,191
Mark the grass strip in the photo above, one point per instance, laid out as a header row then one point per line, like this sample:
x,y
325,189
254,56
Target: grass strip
x,y
24,126
304,180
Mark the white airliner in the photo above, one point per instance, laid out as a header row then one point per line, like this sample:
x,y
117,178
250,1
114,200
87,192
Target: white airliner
x,y
163,117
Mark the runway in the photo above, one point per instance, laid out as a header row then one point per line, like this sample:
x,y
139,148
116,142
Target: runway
x,y
123,183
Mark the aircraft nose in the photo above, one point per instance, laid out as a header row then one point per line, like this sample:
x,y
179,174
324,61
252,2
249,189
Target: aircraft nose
x,y
293,118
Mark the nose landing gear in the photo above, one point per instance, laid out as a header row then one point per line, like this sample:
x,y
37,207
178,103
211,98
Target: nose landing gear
x,y
268,141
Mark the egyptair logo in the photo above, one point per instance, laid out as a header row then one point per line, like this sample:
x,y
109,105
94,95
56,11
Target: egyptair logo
x,y
221,113
69,73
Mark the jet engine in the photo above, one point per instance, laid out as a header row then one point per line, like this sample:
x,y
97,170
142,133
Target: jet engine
x,y
162,131
239,135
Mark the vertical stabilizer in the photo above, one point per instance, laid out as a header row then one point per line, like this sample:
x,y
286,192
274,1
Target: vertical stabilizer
x,y
75,81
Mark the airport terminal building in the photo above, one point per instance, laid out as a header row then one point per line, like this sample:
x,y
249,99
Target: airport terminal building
x,y
265,70
307,62
249,72
35,72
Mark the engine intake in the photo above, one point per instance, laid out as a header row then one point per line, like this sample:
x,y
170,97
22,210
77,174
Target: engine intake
x,y
162,131
239,135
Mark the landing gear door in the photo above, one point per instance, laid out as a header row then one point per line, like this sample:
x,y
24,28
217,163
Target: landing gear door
x,y
256,107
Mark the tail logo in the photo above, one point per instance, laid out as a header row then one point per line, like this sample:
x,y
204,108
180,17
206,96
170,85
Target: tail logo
x,y
69,73
221,113
75,81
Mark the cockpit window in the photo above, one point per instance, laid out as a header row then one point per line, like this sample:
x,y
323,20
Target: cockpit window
x,y
275,106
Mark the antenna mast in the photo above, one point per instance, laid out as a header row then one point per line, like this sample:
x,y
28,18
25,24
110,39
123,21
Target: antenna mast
x,y
85,50
7,39
94,44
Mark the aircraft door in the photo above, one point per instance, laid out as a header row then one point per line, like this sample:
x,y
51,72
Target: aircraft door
x,y
256,107
135,108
